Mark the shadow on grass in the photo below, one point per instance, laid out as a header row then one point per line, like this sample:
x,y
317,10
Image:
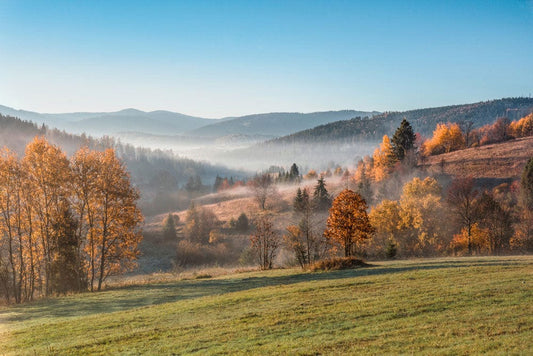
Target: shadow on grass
x,y
130,297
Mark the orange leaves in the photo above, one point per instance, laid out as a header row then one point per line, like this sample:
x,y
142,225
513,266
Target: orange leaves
x,y
65,223
446,138
348,222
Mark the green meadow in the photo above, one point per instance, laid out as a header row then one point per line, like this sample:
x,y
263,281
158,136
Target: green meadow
x,y
430,306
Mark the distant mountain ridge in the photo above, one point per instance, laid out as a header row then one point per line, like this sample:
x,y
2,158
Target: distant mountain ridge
x,y
423,121
109,123
277,123
268,125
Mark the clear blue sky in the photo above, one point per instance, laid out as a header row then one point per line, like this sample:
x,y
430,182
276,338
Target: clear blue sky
x,y
221,58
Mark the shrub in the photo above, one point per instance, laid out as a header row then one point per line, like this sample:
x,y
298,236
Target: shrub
x,y
338,263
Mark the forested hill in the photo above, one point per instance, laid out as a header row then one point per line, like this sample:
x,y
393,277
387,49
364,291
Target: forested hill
x,y
154,172
423,121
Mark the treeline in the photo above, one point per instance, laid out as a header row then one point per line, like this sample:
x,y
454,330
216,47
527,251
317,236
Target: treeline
x,y
65,225
423,121
457,136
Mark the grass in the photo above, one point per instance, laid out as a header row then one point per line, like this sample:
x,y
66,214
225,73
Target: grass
x,y
439,306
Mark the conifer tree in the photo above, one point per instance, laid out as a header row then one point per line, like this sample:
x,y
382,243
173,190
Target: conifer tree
x,y
403,140
321,198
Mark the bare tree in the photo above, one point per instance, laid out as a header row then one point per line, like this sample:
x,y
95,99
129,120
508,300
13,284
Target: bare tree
x,y
263,188
265,241
462,198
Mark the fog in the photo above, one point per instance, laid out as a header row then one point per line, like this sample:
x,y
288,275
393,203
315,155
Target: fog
x,y
255,153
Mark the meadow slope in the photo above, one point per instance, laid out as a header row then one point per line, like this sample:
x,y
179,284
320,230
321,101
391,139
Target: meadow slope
x,y
499,160
432,306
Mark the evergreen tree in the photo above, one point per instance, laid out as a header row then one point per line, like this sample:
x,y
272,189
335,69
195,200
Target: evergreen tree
x,y
169,228
294,172
242,223
403,140
321,198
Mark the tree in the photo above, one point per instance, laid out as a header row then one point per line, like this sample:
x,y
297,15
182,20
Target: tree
x,y
265,241
462,199
348,222
446,138
422,214
321,198
169,227
48,175
301,237
363,180
117,223
294,173
524,231
384,159
497,220
385,217
242,223
263,188
199,223
497,132
403,140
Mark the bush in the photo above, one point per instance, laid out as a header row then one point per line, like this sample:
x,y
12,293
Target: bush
x,y
338,263
195,254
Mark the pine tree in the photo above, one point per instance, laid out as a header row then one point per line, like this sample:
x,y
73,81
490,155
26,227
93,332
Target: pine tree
x,y
403,140
321,198
169,228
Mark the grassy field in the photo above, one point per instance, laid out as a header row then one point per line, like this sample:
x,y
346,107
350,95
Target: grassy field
x,y
438,306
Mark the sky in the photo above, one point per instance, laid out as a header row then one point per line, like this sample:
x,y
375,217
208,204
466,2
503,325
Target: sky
x,y
229,58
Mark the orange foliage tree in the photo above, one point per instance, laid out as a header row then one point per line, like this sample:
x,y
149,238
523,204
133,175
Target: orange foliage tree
x,y
64,225
348,222
383,159
446,138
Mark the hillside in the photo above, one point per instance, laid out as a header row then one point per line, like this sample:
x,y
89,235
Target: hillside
x,y
501,160
275,124
437,306
158,174
423,121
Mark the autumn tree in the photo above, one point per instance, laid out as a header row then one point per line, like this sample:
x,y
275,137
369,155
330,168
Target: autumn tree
x,y
348,222
118,219
362,180
497,220
422,214
64,224
446,138
462,198
48,175
386,219
522,127
384,158
497,132
524,231
265,241
403,140
199,223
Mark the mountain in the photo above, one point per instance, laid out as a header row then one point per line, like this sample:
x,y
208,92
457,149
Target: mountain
x,y
102,123
275,124
423,121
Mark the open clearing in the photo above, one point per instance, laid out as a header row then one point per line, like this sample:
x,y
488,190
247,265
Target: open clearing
x,y
431,306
